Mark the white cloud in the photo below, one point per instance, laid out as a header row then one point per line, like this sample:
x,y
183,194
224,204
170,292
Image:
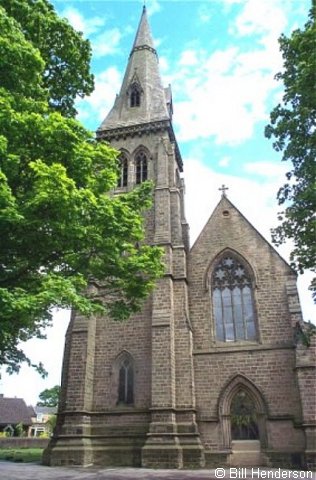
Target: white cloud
x,y
152,7
221,104
188,58
102,99
204,13
163,64
267,169
230,90
85,25
102,42
222,61
224,162
158,42
106,43
259,17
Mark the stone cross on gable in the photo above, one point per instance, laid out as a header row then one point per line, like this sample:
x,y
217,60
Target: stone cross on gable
x,y
223,190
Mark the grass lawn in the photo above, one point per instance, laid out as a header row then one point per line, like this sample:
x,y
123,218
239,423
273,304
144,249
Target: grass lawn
x,y
21,454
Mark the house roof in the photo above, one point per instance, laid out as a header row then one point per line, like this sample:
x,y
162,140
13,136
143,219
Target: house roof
x,y
14,411
45,410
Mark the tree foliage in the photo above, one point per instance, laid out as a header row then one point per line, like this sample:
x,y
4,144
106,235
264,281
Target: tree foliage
x,y
66,54
49,397
293,126
64,238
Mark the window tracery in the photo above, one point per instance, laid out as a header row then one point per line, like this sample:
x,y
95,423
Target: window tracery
x,y
233,306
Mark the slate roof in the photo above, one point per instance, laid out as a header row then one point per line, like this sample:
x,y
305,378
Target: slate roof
x,y
45,410
14,411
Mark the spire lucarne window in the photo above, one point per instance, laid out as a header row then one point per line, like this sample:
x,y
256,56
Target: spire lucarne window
x,y
233,306
135,95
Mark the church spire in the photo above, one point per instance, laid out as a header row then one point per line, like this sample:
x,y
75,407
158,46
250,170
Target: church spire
x,y
142,99
143,38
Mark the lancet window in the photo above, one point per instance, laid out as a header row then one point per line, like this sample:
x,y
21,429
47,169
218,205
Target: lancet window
x,y
141,167
233,302
126,382
123,175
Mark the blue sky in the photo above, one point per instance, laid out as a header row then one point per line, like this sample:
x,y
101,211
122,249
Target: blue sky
x,y
220,57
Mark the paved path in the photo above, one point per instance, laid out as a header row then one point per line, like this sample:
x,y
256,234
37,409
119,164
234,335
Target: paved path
x,y
32,471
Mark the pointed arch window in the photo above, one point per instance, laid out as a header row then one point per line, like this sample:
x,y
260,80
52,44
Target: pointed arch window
x,y
243,417
126,382
233,303
135,95
123,175
141,167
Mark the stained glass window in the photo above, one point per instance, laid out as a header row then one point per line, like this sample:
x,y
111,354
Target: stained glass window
x,y
233,305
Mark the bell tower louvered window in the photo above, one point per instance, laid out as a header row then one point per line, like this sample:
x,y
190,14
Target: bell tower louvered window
x,y
233,303
141,167
123,176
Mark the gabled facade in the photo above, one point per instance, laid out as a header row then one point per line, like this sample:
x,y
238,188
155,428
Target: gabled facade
x,y
208,373
244,312
41,421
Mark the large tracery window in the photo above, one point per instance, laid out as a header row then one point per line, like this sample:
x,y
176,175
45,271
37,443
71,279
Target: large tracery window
x,y
122,180
141,167
126,382
233,304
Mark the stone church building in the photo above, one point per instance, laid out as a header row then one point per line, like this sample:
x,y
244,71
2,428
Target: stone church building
x,y
212,371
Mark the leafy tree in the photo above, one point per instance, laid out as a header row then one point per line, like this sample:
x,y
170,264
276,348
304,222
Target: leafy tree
x,y
65,52
19,430
64,239
293,125
49,397
51,423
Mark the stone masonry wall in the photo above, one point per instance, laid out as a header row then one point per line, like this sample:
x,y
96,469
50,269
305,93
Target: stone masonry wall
x,y
269,362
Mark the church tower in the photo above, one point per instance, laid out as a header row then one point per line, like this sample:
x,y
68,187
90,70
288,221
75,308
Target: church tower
x,y
128,388
214,370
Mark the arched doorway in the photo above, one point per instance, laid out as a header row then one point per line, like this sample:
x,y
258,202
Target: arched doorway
x,y
243,417
243,414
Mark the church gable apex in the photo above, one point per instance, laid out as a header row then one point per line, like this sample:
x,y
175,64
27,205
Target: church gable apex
x,y
227,227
